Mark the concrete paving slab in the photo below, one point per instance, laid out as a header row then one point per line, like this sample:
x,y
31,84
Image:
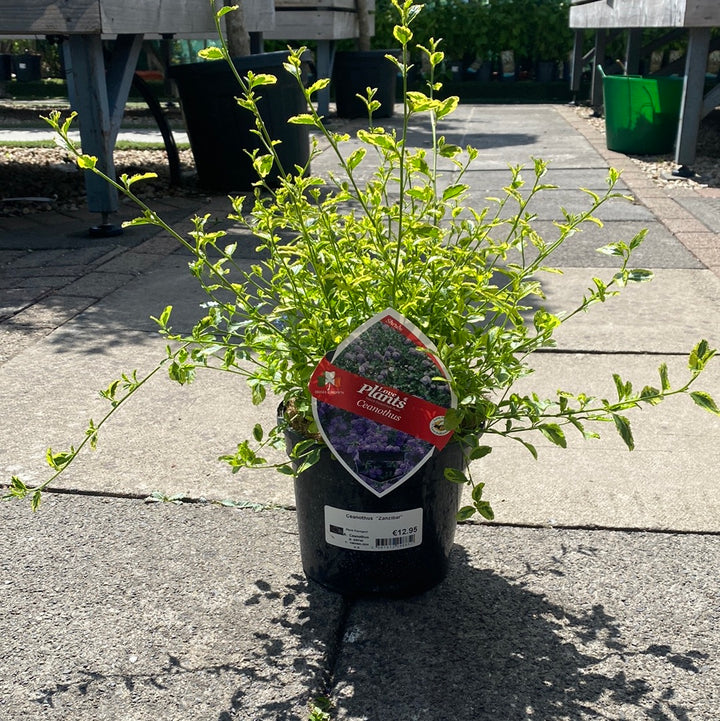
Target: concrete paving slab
x,y
549,205
669,314
706,209
660,249
667,482
167,438
116,609
159,281
544,624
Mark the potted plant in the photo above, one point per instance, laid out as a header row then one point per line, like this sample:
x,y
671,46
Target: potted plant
x,y
384,257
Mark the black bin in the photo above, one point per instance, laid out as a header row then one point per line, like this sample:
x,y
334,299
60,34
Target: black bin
x,y
354,72
5,67
27,68
220,131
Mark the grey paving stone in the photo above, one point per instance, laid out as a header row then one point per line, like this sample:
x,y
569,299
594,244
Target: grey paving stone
x,y
119,609
543,624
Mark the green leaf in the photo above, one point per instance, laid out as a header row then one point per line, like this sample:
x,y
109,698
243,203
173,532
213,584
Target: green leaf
x,y
259,79
704,400
454,191
479,452
381,140
455,476
622,424
613,249
320,84
258,394
449,105
226,9
257,432
128,181
436,58
402,34
17,489
465,512
638,239
448,150
651,395
485,510
639,275
623,389
86,162
356,158
302,119
530,447
700,356
212,53
477,492
453,419
263,165
419,102
162,321
554,433
664,381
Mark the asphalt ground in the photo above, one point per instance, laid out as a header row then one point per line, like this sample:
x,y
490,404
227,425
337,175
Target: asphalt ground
x,y
593,595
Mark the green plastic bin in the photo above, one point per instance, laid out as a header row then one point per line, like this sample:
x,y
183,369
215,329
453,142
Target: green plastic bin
x,y
641,114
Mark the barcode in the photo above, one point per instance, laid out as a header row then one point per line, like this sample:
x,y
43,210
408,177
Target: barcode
x,y
395,542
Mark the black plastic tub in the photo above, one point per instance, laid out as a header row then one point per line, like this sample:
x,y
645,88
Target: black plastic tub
x,y
221,132
355,71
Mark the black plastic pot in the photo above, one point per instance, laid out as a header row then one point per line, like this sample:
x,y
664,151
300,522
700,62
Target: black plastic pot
x,y
27,68
355,71
332,505
220,131
6,62
545,71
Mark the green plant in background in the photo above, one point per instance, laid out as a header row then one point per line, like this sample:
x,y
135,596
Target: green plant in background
x,y
391,227
552,39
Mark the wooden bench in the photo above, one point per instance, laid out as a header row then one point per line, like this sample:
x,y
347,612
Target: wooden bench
x,y
98,84
696,17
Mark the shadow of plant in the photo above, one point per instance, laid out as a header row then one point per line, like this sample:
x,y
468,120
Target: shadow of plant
x,y
272,678
485,647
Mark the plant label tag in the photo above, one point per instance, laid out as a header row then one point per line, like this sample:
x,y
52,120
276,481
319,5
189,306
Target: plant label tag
x,y
359,531
380,401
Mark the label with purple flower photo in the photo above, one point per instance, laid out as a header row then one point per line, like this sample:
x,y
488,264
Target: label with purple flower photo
x,y
380,401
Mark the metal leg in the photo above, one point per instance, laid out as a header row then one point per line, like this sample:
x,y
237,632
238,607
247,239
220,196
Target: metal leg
x,y
99,93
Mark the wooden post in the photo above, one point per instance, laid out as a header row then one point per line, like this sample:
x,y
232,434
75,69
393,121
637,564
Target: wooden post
x,y
596,90
576,66
323,65
692,99
633,50
98,93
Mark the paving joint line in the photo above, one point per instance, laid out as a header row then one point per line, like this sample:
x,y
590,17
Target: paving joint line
x,y
249,505
148,497
591,527
638,184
